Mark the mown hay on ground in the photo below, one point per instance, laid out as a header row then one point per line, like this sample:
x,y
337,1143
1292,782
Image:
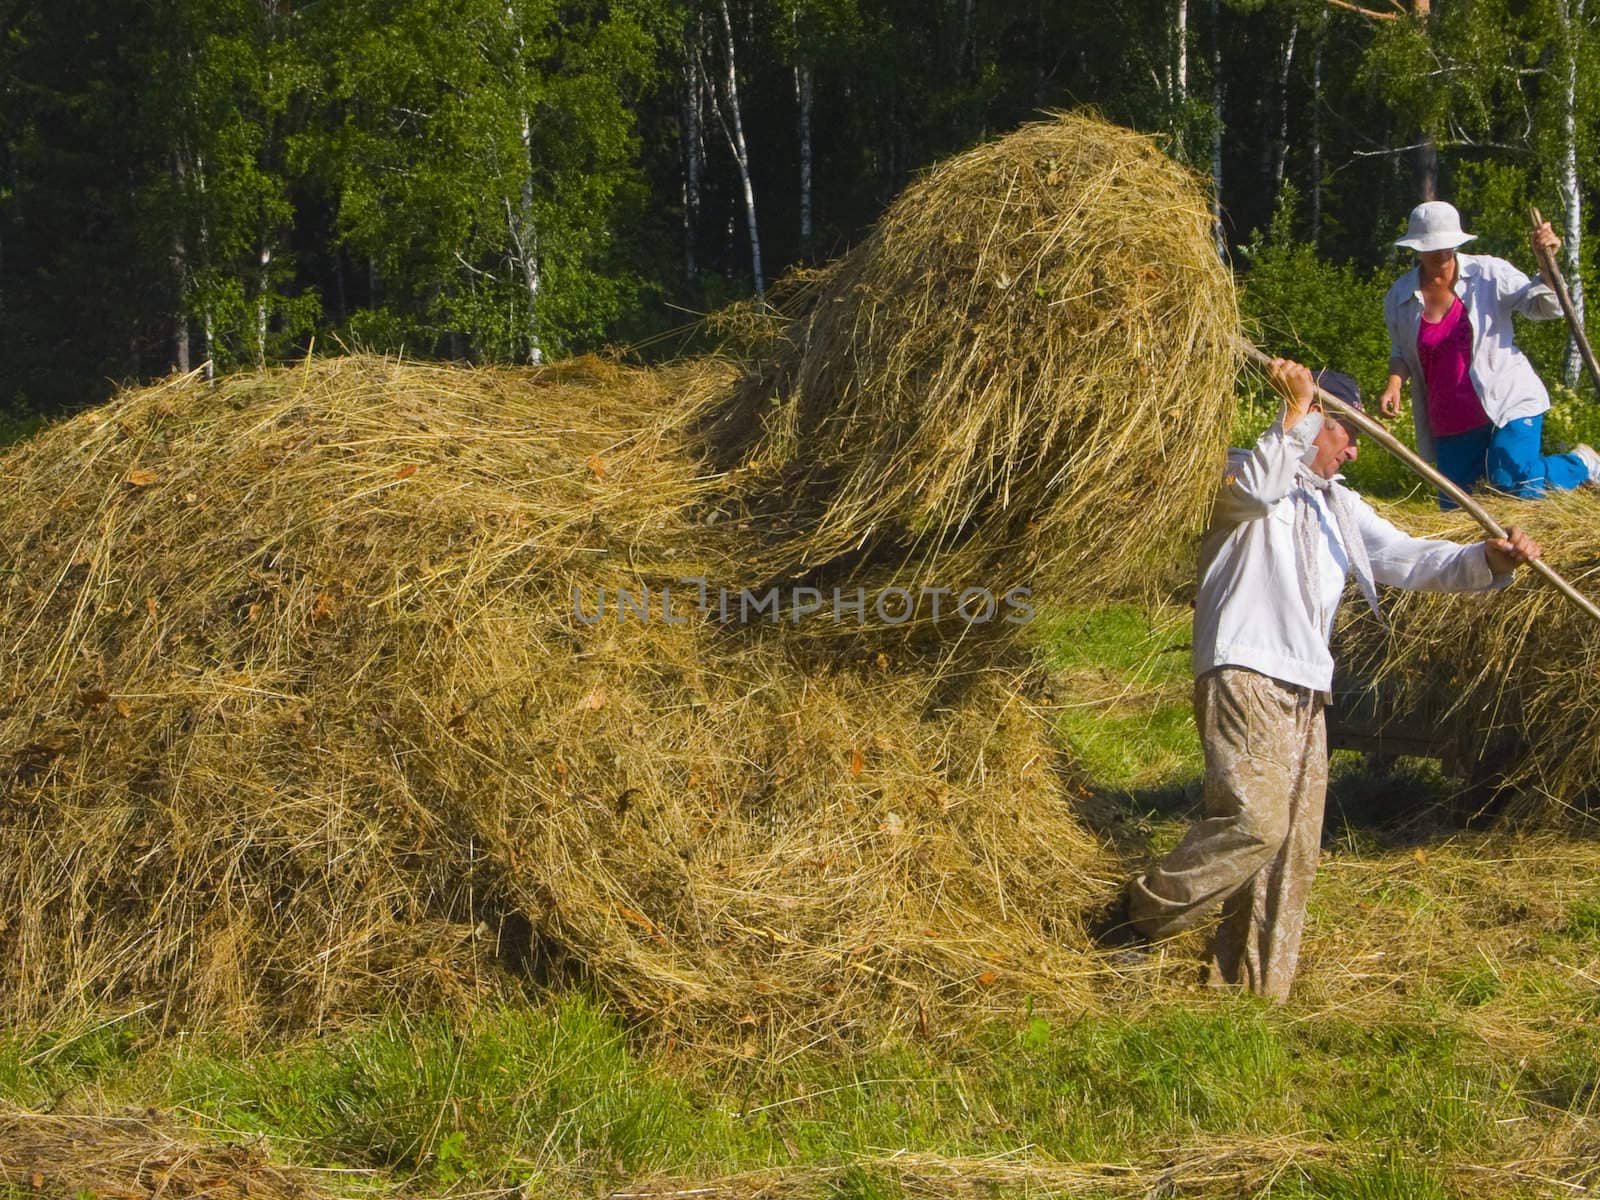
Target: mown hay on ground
x,y
301,720
1513,678
1024,376
131,1157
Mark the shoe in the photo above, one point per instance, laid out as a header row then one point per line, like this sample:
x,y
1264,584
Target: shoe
x,y
1590,460
1112,928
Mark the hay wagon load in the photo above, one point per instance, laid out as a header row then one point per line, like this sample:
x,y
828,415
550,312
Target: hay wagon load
x,y
1505,694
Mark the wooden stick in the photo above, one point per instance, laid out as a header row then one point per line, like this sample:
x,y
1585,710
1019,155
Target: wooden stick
x,y
1547,261
1425,469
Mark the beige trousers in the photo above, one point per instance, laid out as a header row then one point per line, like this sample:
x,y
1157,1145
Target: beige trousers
x,y
1255,851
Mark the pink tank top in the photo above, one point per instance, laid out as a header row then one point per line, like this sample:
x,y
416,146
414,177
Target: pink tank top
x,y
1445,349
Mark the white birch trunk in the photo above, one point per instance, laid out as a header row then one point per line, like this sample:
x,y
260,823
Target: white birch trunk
x,y
1571,16
263,284
1280,146
180,268
802,88
741,153
519,223
1316,129
1216,131
526,239
693,155
1179,98
207,324
1182,23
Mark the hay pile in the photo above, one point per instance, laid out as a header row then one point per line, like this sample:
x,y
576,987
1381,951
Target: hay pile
x,y
306,708
300,720
1024,375
1514,677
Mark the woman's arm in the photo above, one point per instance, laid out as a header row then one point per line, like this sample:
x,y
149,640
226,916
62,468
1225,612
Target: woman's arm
x,y
1544,238
1399,373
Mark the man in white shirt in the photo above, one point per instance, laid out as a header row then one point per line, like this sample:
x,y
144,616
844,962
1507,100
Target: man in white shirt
x,y
1284,535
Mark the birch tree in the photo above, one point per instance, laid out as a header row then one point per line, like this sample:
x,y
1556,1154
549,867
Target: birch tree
x,y
691,133
730,116
478,153
1572,43
1218,124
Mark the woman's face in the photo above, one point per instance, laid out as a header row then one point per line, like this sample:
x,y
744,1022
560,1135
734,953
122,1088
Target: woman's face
x,y
1435,261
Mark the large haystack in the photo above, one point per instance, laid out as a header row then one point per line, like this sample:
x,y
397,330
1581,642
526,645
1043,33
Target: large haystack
x,y
1513,678
306,705
300,719
1024,376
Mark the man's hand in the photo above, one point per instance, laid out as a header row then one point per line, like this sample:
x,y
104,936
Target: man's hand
x,y
1506,554
1294,383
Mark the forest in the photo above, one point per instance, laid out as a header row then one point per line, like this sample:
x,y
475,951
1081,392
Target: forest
x,y
221,184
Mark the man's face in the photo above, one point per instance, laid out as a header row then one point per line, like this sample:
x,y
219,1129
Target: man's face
x,y
1335,447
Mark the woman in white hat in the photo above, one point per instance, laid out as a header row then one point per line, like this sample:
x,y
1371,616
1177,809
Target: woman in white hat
x,y
1479,410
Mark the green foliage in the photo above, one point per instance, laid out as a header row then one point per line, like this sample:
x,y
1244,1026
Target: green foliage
x,y
256,175
1572,418
1322,313
15,426
477,161
1457,75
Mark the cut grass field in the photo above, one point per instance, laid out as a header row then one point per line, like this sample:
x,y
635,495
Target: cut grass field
x,y
1444,1041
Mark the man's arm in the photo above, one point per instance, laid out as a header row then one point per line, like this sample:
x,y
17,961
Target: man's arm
x,y
1435,565
1259,479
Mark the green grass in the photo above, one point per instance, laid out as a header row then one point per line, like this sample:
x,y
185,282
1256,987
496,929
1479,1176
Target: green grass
x,y
558,1098
1583,919
1127,717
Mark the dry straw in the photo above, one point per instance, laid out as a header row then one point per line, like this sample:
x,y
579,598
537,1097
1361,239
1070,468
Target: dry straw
x,y
1512,678
301,721
299,717
1024,375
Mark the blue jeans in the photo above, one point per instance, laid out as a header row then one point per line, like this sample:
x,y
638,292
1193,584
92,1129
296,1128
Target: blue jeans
x,y
1509,458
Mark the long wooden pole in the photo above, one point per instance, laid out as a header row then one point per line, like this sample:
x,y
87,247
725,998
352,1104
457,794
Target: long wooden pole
x,y
1547,261
1427,470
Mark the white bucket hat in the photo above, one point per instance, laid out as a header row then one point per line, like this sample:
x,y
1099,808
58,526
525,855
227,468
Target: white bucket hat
x,y
1434,226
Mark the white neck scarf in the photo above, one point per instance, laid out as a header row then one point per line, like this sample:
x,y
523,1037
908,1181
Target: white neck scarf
x,y
1308,537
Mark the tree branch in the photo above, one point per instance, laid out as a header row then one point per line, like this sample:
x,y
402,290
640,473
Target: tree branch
x,y
1370,13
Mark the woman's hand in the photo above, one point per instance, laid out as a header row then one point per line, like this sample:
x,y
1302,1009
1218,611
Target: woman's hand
x,y
1544,238
1389,402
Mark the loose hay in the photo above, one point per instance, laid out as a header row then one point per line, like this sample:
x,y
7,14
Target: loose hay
x,y
300,722
1206,1167
133,1157
1024,376
1513,678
